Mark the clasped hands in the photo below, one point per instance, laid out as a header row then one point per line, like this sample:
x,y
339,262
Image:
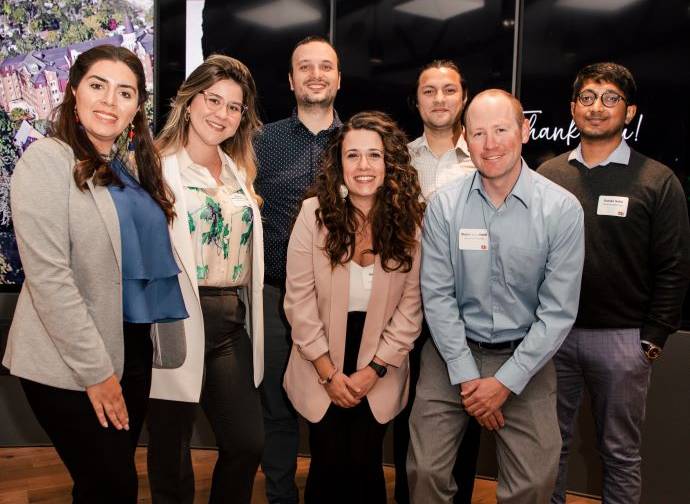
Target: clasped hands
x,y
347,391
483,398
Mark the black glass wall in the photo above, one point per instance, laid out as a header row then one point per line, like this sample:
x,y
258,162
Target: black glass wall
x,y
652,39
384,43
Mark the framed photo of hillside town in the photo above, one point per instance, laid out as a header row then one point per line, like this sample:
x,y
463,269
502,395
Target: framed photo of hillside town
x,y
39,41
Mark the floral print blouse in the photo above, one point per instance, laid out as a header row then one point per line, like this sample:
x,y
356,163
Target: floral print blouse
x,y
220,223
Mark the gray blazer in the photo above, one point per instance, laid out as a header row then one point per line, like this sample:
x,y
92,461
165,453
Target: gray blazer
x,y
67,327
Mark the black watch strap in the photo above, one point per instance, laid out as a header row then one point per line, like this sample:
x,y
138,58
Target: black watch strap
x,y
380,370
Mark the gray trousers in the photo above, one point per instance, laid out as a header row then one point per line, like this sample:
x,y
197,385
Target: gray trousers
x,y
611,364
527,447
279,462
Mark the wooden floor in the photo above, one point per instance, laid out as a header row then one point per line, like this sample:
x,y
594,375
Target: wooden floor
x,y
36,475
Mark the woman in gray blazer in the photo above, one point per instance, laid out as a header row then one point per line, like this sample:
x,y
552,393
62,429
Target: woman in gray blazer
x,y
91,215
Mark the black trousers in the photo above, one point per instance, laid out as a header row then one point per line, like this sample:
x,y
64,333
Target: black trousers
x,y
465,467
99,460
347,444
231,403
279,461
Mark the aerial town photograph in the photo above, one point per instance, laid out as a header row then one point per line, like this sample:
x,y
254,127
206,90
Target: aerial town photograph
x,y
38,43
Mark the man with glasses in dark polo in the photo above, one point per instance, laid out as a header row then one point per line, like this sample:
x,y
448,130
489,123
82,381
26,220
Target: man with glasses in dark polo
x,y
635,276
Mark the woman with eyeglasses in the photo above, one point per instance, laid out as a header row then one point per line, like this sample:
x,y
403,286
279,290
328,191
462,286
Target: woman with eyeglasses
x,y
208,162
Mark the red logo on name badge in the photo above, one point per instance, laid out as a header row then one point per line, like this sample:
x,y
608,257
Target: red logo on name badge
x,y
620,213
483,247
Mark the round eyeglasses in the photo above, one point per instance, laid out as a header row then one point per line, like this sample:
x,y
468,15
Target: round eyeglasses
x,y
216,103
608,98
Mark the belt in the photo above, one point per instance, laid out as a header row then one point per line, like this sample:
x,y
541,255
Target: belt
x,y
505,345
278,283
218,291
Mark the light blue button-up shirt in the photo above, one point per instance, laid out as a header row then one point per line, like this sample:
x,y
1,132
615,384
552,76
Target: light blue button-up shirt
x,y
526,284
620,155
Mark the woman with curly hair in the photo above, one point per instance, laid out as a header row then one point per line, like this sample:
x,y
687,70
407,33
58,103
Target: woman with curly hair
x,y
353,300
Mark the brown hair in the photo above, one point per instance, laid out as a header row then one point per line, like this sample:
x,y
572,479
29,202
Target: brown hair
x,y
308,40
65,126
443,63
398,208
239,147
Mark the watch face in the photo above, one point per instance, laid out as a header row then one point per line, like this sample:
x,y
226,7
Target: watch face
x,y
651,351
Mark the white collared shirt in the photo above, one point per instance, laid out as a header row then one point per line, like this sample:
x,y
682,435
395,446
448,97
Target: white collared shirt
x,y
220,223
435,172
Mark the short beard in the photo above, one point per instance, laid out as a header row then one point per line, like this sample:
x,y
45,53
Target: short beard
x,y
325,103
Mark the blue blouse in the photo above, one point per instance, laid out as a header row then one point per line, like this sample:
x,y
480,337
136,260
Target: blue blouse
x,y
150,289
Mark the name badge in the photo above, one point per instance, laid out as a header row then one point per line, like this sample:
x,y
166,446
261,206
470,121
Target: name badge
x,y
239,199
474,239
367,278
616,206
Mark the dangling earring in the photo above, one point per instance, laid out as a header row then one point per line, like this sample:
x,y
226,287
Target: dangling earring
x,y
130,138
186,115
342,190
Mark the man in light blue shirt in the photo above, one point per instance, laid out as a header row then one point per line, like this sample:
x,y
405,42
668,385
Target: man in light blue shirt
x,y
502,255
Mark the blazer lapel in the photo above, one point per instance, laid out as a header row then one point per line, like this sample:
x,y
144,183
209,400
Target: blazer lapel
x,y
337,324
106,208
179,230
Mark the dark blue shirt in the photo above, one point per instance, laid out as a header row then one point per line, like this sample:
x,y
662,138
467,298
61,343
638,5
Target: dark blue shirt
x,y
289,157
150,289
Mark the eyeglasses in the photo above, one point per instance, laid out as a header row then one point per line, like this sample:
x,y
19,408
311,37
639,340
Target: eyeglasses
x,y
608,98
216,103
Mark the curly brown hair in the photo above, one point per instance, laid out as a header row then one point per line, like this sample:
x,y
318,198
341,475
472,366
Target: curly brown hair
x,y
90,163
398,208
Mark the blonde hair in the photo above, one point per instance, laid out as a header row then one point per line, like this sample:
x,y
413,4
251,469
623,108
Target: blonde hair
x,y
239,147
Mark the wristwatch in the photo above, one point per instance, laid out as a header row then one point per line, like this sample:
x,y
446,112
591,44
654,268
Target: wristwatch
x,y
380,370
651,350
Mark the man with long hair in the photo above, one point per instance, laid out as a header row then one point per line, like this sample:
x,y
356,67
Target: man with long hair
x,y
440,156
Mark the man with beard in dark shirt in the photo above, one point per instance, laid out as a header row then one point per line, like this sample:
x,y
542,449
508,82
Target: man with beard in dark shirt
x,y
289,154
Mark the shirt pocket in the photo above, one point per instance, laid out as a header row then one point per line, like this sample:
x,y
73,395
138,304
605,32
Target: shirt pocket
x,y
525,269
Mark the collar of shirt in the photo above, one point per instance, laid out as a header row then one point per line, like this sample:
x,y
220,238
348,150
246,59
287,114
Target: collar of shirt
x,y
296,123
195,175
620,155
522,190
422,143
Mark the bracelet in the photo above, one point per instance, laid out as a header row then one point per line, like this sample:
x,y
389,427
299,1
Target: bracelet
x,y
329,378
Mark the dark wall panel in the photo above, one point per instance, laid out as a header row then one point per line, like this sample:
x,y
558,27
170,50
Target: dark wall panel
x,y
384,43
650,38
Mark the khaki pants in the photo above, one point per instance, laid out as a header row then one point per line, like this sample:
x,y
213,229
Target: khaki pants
x,y
527,447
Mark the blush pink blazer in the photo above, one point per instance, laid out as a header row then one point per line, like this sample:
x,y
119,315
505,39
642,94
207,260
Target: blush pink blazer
x,y
316,305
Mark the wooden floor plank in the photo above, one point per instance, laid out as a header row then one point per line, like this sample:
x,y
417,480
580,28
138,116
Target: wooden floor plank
x,y
35,475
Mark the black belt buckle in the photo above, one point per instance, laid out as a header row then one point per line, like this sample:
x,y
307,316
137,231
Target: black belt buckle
x,y
505,345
